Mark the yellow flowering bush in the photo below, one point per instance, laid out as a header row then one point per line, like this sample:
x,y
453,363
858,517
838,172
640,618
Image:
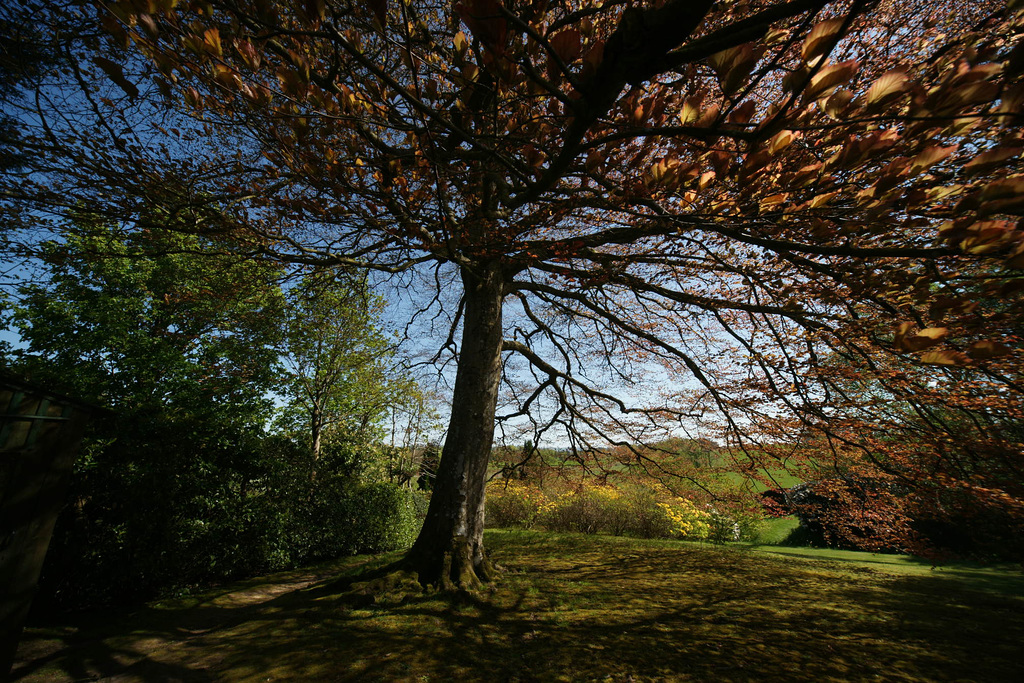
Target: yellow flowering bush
x,y
592,508
513,503
589,508
686,519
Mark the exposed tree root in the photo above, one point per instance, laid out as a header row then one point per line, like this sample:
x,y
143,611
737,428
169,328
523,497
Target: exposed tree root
x,y
453,568
452,571
389,585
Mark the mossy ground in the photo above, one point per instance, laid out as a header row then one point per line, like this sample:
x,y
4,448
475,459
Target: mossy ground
x,y
570,608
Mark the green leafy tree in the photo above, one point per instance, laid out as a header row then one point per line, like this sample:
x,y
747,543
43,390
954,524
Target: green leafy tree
x,y
138,323
339,365
182,348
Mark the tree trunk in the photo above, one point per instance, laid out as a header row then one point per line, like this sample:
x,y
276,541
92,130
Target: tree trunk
x,y
449,551
316,424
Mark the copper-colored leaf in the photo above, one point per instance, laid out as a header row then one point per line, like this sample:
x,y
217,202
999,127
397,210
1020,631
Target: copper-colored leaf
x,y
211,40
820,38
948,304
380,10
225,76
986,349
837,103
113,26
164,87
534,157
776,36
991,159
771,202
935,333
595,53
1003,188
796,79
986,237
931,155
945,357
690,110
485,19
742,114
249,54
975,93
888,87
934,194
670,173
116,74
301,62
291,84
148,25
822,200
925,339
656,173
722,61
316,9
806,174
733,66
710,116
829,77
901,333
781,140
567,44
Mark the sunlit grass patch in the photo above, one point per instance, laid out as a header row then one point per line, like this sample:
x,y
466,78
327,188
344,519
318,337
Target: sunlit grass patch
x,y
570,607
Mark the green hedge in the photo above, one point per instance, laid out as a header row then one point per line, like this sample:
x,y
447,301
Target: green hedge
x,y
132,533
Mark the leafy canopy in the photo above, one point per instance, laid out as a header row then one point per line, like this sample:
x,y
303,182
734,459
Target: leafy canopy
x,y
757,200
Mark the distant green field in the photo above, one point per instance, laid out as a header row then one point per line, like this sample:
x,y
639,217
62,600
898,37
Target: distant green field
x,y
711,464
777,479
1003,578
777,530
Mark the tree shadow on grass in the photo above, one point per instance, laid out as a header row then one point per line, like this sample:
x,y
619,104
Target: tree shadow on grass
x,y
586,610
148,643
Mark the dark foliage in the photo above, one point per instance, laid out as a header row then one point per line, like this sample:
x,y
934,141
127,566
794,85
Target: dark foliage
x,y
827,518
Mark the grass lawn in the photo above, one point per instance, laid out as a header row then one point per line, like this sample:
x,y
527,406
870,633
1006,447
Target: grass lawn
x,y
572,608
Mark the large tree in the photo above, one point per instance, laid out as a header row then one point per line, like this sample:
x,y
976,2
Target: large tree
x,y
747,201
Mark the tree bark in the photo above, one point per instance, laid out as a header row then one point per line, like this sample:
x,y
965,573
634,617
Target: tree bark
x,y
316,424
449,552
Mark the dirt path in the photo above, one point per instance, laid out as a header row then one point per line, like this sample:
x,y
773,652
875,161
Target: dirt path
x,y
158,643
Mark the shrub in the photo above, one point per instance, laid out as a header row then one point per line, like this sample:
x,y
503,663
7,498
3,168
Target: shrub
x,y
722,528
873,514
587,509
511,503
686,519
643,515
346,519
592,508
383,517
165,532
752,525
